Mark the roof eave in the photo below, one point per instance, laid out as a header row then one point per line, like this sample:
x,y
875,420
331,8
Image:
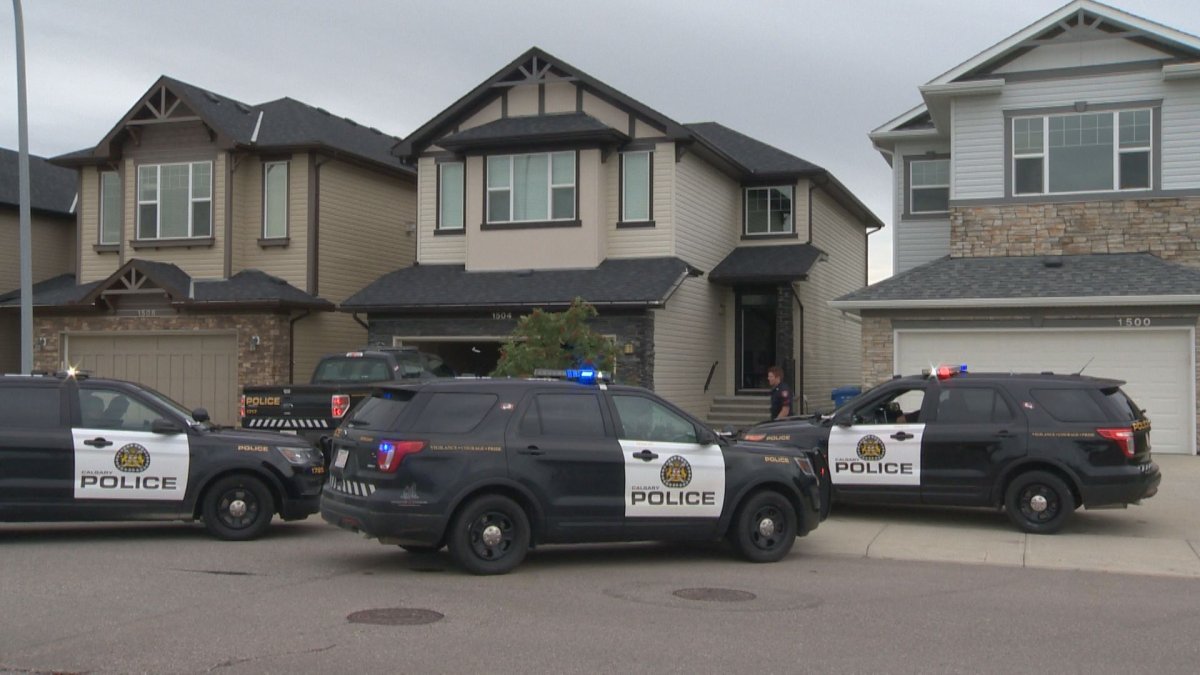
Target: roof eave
x,y
983,303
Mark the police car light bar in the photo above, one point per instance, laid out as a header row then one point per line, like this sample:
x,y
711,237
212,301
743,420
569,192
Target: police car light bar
x,y
580,375
946,372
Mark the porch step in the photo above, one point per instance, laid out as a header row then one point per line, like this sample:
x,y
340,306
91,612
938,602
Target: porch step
x,y
738,412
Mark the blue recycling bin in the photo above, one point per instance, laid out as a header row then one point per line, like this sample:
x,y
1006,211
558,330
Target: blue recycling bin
x,y
843,394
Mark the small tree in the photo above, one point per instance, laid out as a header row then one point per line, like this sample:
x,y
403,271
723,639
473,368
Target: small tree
x,y
555,340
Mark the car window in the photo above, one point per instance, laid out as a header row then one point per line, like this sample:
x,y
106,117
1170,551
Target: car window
x,y
575,415
1126,409
112,409
352,369
437,366
379,411
644,419
972,406
453,412
30,407
900,406
1070,405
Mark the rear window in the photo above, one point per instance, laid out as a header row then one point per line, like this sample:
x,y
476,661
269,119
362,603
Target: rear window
x,y
1126,409
380,411
345,369
453,412
1072,405
30,407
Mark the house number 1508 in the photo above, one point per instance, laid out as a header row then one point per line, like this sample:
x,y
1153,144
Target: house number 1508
x,y
1134,322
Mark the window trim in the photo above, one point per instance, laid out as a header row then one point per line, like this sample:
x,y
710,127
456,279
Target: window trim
x,y
191,235
267,238
550,220
100,242
746,233
909,213
648,221
439,227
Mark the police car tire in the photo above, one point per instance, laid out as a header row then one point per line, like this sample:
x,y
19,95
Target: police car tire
x,y
220,518
472,552
746,535
1018,502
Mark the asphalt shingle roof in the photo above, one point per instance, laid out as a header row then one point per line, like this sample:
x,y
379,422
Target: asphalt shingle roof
x,y
754,156
765,264
1031,277
255,286
51,188
55,291
634,282
542,127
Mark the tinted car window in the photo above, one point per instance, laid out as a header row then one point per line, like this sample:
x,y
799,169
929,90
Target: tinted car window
x,y
1126,409
972,406
1070,405
564,415
349,369
111,409
646,420
29,407
454,412
380,411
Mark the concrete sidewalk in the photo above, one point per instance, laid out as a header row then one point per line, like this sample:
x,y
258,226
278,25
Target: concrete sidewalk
x,y
1161,536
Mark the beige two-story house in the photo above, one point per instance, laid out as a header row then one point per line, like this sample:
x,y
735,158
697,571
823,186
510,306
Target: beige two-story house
x,y
214,240
709,255
1047,210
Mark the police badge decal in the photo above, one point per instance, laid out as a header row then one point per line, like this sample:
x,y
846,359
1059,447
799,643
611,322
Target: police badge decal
x,y
870,447
132,458
676,472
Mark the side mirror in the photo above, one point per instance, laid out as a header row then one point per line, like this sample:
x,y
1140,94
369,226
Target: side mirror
x,y
844,420
708,437
163,426
200,415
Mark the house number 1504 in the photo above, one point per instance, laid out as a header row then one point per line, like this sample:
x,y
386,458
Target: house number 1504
x,y
1134,322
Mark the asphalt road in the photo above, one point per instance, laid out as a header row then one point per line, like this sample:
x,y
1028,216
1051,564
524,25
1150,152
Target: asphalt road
x,y
166,599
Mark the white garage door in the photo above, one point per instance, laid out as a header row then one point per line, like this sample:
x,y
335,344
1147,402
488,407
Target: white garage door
x,y
1157,364
199,371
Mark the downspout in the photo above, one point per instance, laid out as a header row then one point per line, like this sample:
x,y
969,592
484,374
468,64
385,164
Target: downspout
x,y
292,345
800,361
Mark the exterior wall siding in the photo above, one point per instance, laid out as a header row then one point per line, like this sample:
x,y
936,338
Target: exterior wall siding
x,y
319,334
707,205
643,242
488,113
52,247
915,241
289,262
434,249
95,265
688,338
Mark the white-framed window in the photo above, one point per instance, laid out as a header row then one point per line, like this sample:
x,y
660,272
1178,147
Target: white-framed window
x,y
635,186
450,196
275,200
531,188
110,208
174,200
929,186
769,210
1102,151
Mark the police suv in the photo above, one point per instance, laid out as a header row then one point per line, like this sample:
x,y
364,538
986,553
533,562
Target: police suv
x,y
491,467
1039,445
80,448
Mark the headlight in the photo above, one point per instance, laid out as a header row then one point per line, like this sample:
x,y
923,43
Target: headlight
x,y
299,455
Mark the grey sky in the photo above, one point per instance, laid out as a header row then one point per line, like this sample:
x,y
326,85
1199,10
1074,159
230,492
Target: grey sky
x,y
810,77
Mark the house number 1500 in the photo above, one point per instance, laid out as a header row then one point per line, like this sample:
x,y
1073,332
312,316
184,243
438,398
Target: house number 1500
x,y
1134,322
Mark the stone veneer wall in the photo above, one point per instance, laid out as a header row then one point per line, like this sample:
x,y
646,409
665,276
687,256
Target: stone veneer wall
x,y
1168,228
268,364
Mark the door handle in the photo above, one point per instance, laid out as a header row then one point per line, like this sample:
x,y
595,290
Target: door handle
x,y
98,442
902,436
531,450
646,455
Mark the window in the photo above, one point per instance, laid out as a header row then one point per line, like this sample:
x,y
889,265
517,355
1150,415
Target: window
x,y
454,413
110,207
380,411
972,406
450,196
643,419
769,210
900,406
929,186
531,188
340,370
575,415
1070,405
635,186
1086,152
29,408
110,409
275,198
175,200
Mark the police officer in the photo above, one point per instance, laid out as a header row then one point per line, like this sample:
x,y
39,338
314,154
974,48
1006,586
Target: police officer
x,y
781,393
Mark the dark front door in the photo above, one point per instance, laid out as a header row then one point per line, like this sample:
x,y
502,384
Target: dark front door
x,y
755,336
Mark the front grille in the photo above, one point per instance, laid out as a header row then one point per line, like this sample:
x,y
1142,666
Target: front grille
x,y
286,423
350,487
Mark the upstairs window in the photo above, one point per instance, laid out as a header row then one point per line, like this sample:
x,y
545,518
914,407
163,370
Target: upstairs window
x,y
450,196
929,186
275,200
531,188
635,187
769,210
1085,152
174,201
110,208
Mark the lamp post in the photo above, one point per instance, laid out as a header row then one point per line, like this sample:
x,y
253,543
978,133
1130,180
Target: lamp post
x,y
23,183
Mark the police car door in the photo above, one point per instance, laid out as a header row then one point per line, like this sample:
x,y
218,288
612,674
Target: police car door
x,y
120,462
674,485
875,448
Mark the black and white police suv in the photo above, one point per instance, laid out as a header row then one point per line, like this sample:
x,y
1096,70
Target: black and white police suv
x,y
1039,445
491,467
80,448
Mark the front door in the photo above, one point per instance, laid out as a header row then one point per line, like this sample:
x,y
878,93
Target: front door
x,y
875,449
754,333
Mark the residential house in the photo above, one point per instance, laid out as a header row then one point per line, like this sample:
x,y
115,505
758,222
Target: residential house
x,y
709,255
1047,210
214,240
52,192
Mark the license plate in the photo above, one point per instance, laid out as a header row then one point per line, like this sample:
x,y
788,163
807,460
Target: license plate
x,y
339,462
289,432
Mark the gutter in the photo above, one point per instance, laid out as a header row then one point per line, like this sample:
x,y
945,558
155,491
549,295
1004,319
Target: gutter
x,y
984,303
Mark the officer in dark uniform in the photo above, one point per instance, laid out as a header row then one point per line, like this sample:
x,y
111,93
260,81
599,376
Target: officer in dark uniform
x,y
781,394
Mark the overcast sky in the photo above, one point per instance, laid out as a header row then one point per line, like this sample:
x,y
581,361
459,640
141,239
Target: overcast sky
x,y
811,77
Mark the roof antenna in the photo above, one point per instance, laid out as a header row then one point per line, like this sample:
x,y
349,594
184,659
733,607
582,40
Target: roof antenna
x,y
1089,362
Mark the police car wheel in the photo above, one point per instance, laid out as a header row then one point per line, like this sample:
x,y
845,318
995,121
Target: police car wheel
x,y
238,508
1038,502
764,528
490,535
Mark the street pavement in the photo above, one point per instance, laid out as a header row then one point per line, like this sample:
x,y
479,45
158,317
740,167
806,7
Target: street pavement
x,y
1160,536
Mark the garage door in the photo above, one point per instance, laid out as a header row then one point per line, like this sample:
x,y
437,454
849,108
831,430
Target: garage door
x,y
199,371
1157,364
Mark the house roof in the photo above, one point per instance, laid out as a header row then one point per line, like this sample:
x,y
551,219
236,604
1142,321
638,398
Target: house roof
x,y
282,124
753,157
626,283
1033,281
56,291
766,264
52,189
558,128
